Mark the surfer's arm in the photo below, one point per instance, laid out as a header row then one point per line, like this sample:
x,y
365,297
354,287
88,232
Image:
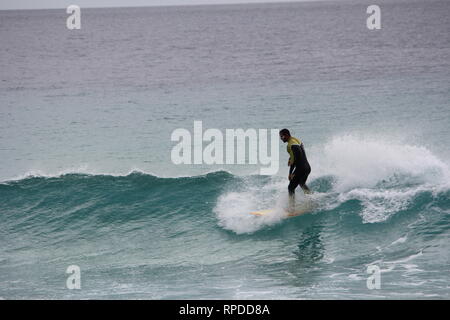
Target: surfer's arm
x,y
291,156
292,164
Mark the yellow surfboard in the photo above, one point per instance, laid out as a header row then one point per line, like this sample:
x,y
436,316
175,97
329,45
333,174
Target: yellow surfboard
x,y
296,212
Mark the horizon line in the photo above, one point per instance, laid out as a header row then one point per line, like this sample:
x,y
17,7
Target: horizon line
x,y
178,5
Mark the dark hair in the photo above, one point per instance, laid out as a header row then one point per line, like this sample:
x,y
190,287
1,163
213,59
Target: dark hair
x,y
285,132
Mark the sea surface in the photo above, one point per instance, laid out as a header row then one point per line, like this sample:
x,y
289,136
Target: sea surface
x,y
87,178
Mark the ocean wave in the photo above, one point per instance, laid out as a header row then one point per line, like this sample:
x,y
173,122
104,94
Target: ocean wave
x,y
375,179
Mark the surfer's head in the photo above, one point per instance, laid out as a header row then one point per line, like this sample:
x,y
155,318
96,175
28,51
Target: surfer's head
x,y
285,135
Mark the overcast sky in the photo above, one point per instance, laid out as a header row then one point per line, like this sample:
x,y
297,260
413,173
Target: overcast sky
x,y
44,4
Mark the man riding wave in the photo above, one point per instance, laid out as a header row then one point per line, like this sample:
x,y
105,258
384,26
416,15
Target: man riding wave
x,y
299,166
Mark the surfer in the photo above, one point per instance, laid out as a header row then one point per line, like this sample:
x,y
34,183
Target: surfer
x,y
299,166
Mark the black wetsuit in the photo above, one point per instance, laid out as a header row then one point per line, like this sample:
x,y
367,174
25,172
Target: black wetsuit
x,y
300,168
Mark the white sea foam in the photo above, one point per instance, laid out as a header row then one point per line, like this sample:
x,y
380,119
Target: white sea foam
x,y
383,175
379,205
364,162
233,210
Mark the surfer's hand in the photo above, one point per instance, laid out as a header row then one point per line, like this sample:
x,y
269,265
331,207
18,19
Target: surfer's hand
x,y
290,177
289,162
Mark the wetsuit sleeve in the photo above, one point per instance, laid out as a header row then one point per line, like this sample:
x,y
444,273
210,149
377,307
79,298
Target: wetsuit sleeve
x,y
296,152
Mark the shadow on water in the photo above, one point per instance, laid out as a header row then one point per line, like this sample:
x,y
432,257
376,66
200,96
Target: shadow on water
x,y
310,249
309,253
306,263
